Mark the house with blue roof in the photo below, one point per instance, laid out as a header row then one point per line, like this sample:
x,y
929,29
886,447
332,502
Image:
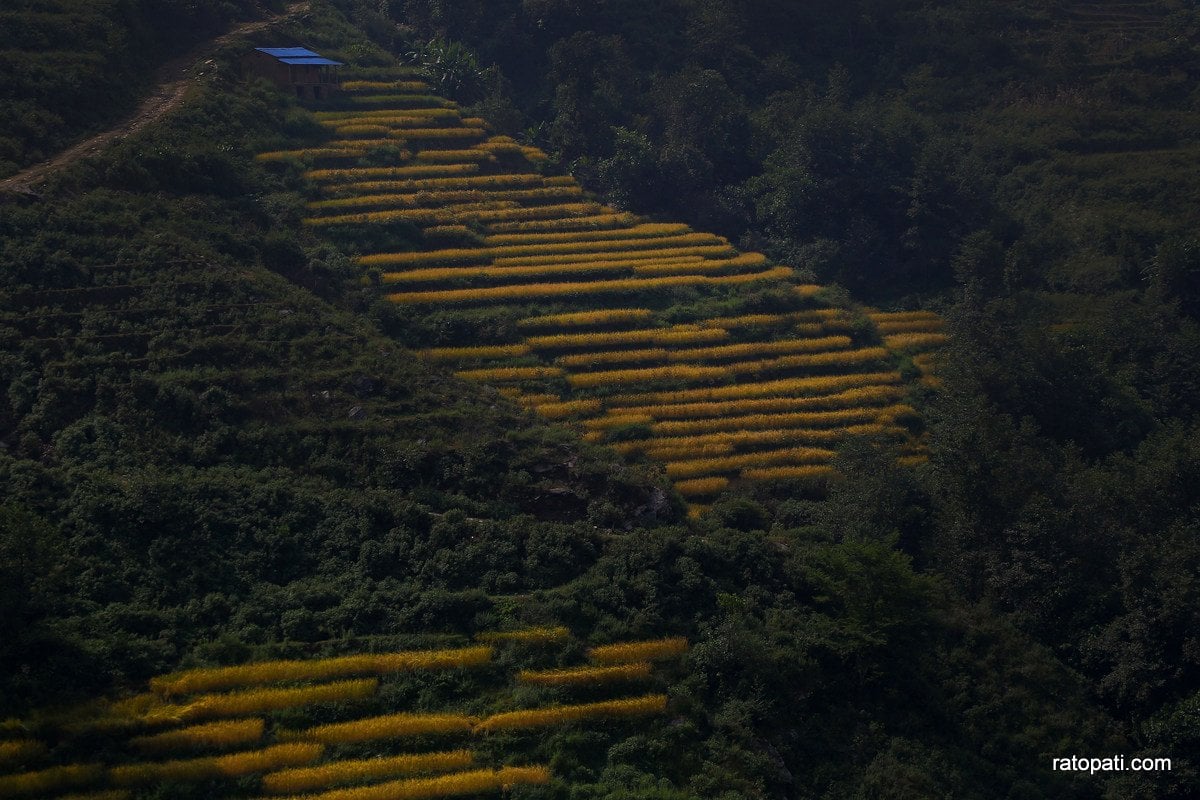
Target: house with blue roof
x,y
297,69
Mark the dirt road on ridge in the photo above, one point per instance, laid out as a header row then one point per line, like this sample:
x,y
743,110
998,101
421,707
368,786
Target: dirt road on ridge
x,y
171,83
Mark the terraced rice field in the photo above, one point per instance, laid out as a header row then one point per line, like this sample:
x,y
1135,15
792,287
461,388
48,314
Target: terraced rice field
x,y
285,729
665,342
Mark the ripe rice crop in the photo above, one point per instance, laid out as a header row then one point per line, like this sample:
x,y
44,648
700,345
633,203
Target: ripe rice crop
x,y
20,751
441,133
399,86
588,319
364,144
348,131
561,715
616,422
306,779
458,783
392,726
653,254
837,358
650,230
231,766
908,342
54,779
451,213
708,466
821,384
701,487
585,380
697,510
522,291
733,439
200,680
761,348
898,316
400,100
510,373
542,635
509,181
613,357
259,700
799,419
529,399
397,173
807,290
662,336
582,676
539,212
717,265
583,223
480,122
683,453
439,274
912,461
329,116
911,326
212,734
454,156
571,408
865,395
647,650
789,473
481,351
597,246
311,152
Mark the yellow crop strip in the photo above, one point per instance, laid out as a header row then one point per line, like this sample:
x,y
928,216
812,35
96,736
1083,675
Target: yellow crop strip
x,y
799,419
256,701
761,348
209,735
702,467
721,442
430,274
198,680
541,635
587,319
581,223
652,230
583,676
645,650
230,766
458,783
701,487
441,184
54,779
353,175
821,384
613,357
553,250
20,751
585,380
677,335
510,373
562,715
313,152
392,726
911,326
570,408
788,473
862,396
911,342
477,352
653,254
306,779
581,289
454,156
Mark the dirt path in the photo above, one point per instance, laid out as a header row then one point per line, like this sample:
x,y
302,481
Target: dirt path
x,y
171,83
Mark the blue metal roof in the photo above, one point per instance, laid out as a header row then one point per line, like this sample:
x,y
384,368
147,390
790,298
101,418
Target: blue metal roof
x,y
298,55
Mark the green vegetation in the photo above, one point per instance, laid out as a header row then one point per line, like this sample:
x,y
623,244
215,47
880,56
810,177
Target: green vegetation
x,y
218,447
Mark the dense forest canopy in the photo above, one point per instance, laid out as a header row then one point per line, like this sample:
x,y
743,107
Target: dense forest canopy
x,y
217,448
